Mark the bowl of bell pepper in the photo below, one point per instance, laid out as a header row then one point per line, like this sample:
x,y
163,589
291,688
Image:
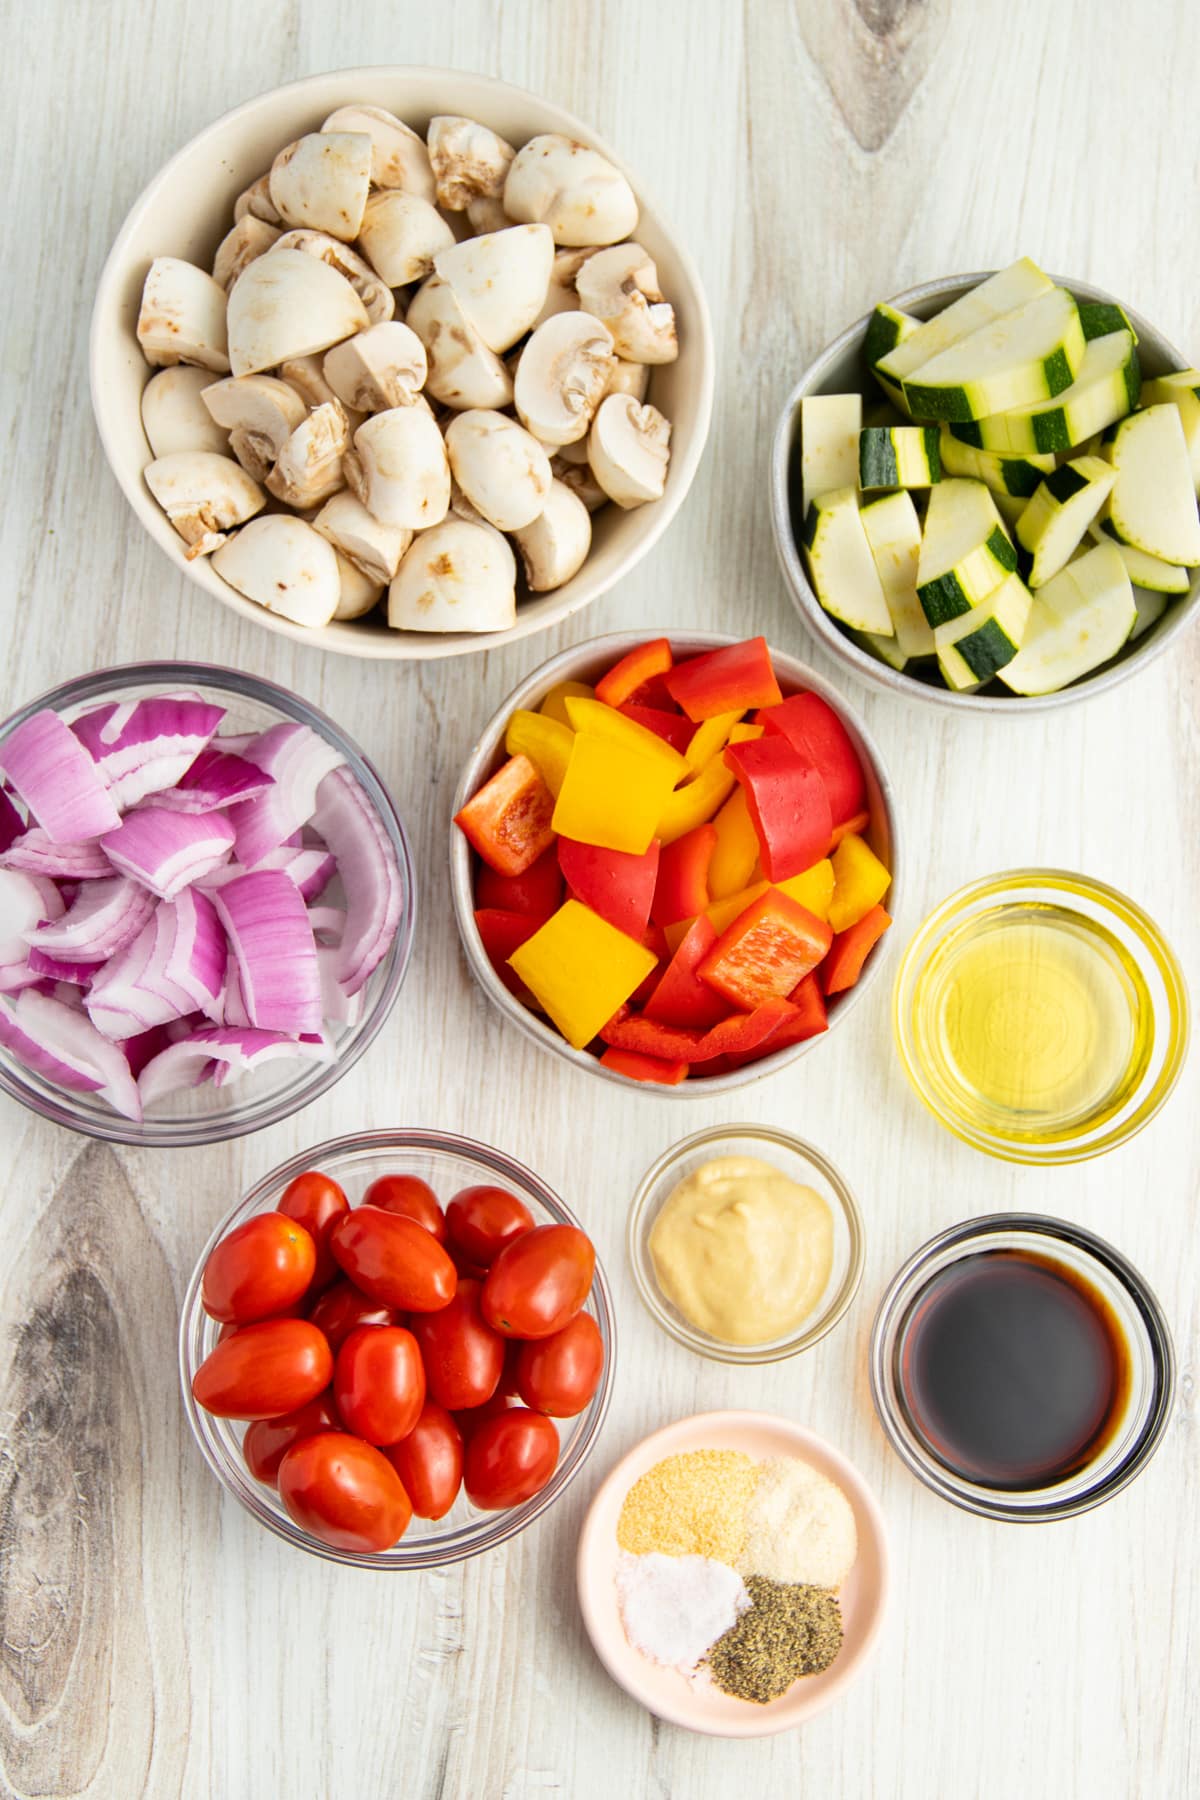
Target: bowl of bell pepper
x,y
671,858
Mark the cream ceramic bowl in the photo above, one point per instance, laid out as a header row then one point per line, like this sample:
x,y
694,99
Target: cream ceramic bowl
x,y
188,208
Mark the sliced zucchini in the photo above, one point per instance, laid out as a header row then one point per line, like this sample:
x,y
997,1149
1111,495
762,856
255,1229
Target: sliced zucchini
x,y
894,535
883,649
1058,515
886,328
906,456
1100,317
971,649
1027,356
1182,390
1010,507
1104,390
1151,605
829,428
1018,475
843,570
1153,500
1000,293
965,550
1079,620
1144,571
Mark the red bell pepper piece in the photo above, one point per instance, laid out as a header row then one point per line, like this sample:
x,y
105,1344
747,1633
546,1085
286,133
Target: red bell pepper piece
x,y
645,1068
616,884
767,949
622,680
850,949
740,676
655,939
810,1020
674,1043
787,802
852,827
654,693
681,891
500,934
672,727
538,892
679,996
811,725
508,820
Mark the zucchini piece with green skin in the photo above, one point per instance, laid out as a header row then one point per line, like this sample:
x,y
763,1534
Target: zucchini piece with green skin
x,y
840,563
893,533
1146,572
972,649
1151,604
883,649
1152,504
829,428
1100,317
1182,389
906,456
1029,355
1104,390
965,550
1057,517
886,329
1015,475
1078,621
1001,293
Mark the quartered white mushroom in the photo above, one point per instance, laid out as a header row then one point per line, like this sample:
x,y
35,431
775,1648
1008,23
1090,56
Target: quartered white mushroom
x,y
463,372
249,238
288,304
458,577
398,468
382,367
257,203
322,180
283,564
260,412
307,375
375,294
578,193
503,471
204,496
361,538
578,478
469,161
486,214
399,158
174,416
182,316
500,280
359,593
628,449
401,234
621,287
562,294
553,546
562,374
309,466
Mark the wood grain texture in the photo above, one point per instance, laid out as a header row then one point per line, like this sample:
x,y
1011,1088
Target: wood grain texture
x,y
815,154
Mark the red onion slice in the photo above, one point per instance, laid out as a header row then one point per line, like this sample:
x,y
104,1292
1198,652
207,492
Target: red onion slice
x,y
143,746
166,851
269,933
215,779
57,779
25,900
106,916
370,875
311,870
44,967
64,1046
234,1052
36,852
299,761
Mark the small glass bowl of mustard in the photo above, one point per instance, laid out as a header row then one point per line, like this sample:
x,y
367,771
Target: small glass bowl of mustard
x,y
797,1163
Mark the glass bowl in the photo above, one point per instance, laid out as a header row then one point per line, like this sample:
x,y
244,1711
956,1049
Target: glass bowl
x,y
1147,1405
447,1163
796,1159
208,1115
1128,965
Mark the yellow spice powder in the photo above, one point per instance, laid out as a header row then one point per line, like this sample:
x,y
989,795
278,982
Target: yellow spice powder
x,y
690,1505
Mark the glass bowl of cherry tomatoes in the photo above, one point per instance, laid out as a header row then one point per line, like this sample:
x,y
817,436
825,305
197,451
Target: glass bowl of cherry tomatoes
x,y
397,1350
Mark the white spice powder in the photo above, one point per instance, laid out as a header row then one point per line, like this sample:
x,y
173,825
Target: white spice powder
x,y
799,1526
674,1608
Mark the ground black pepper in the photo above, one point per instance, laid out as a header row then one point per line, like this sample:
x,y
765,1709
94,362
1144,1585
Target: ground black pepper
x,y
787,1631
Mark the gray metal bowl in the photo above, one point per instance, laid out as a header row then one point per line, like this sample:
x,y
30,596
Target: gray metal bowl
x,y
841,368
587,662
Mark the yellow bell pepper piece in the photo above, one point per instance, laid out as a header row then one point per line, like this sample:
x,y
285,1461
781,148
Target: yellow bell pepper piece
x,y
613,794
581,969
603,721
709,739
544,741
741,734
813,888
696,803
724,912
554,705
860,882
731,867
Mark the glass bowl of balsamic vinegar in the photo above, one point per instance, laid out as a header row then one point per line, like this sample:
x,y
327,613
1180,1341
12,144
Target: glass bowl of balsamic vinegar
x,y
1022,1368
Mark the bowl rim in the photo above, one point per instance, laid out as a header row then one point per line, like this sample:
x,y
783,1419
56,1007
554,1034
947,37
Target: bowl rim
x,y
559,668
216,1128
868,668
506,1524
690,1336
402,646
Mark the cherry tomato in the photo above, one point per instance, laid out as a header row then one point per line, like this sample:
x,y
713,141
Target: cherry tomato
x,y
469,1419
315,1201
558,1375
344,1492
343,1308
411,1198
299,1311
429,1461
510,1458
259,1268
264,1370
539,1282
481,1220
267,1440
394,1260
463,1356
379,1383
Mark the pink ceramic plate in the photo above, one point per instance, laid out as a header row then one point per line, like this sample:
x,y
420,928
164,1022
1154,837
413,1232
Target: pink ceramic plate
x,y
698,1705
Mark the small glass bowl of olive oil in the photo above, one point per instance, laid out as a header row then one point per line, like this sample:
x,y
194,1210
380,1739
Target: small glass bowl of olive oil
x,y
1041,1016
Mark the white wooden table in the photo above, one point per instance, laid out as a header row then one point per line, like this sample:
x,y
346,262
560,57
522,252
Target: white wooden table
x,y
815,156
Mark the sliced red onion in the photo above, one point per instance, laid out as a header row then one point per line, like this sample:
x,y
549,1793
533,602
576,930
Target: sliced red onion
x,y
12,825
57,779
65,1047
233,1005
233,1051
269,933
25,900
38,854
141,1049
299,760
144,746
311,871
215,779
174,968
370,875
107,916
166,851
44,967
15,976
196,963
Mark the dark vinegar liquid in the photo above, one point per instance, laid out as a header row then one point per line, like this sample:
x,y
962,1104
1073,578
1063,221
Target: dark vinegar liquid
x,y
1013,1371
